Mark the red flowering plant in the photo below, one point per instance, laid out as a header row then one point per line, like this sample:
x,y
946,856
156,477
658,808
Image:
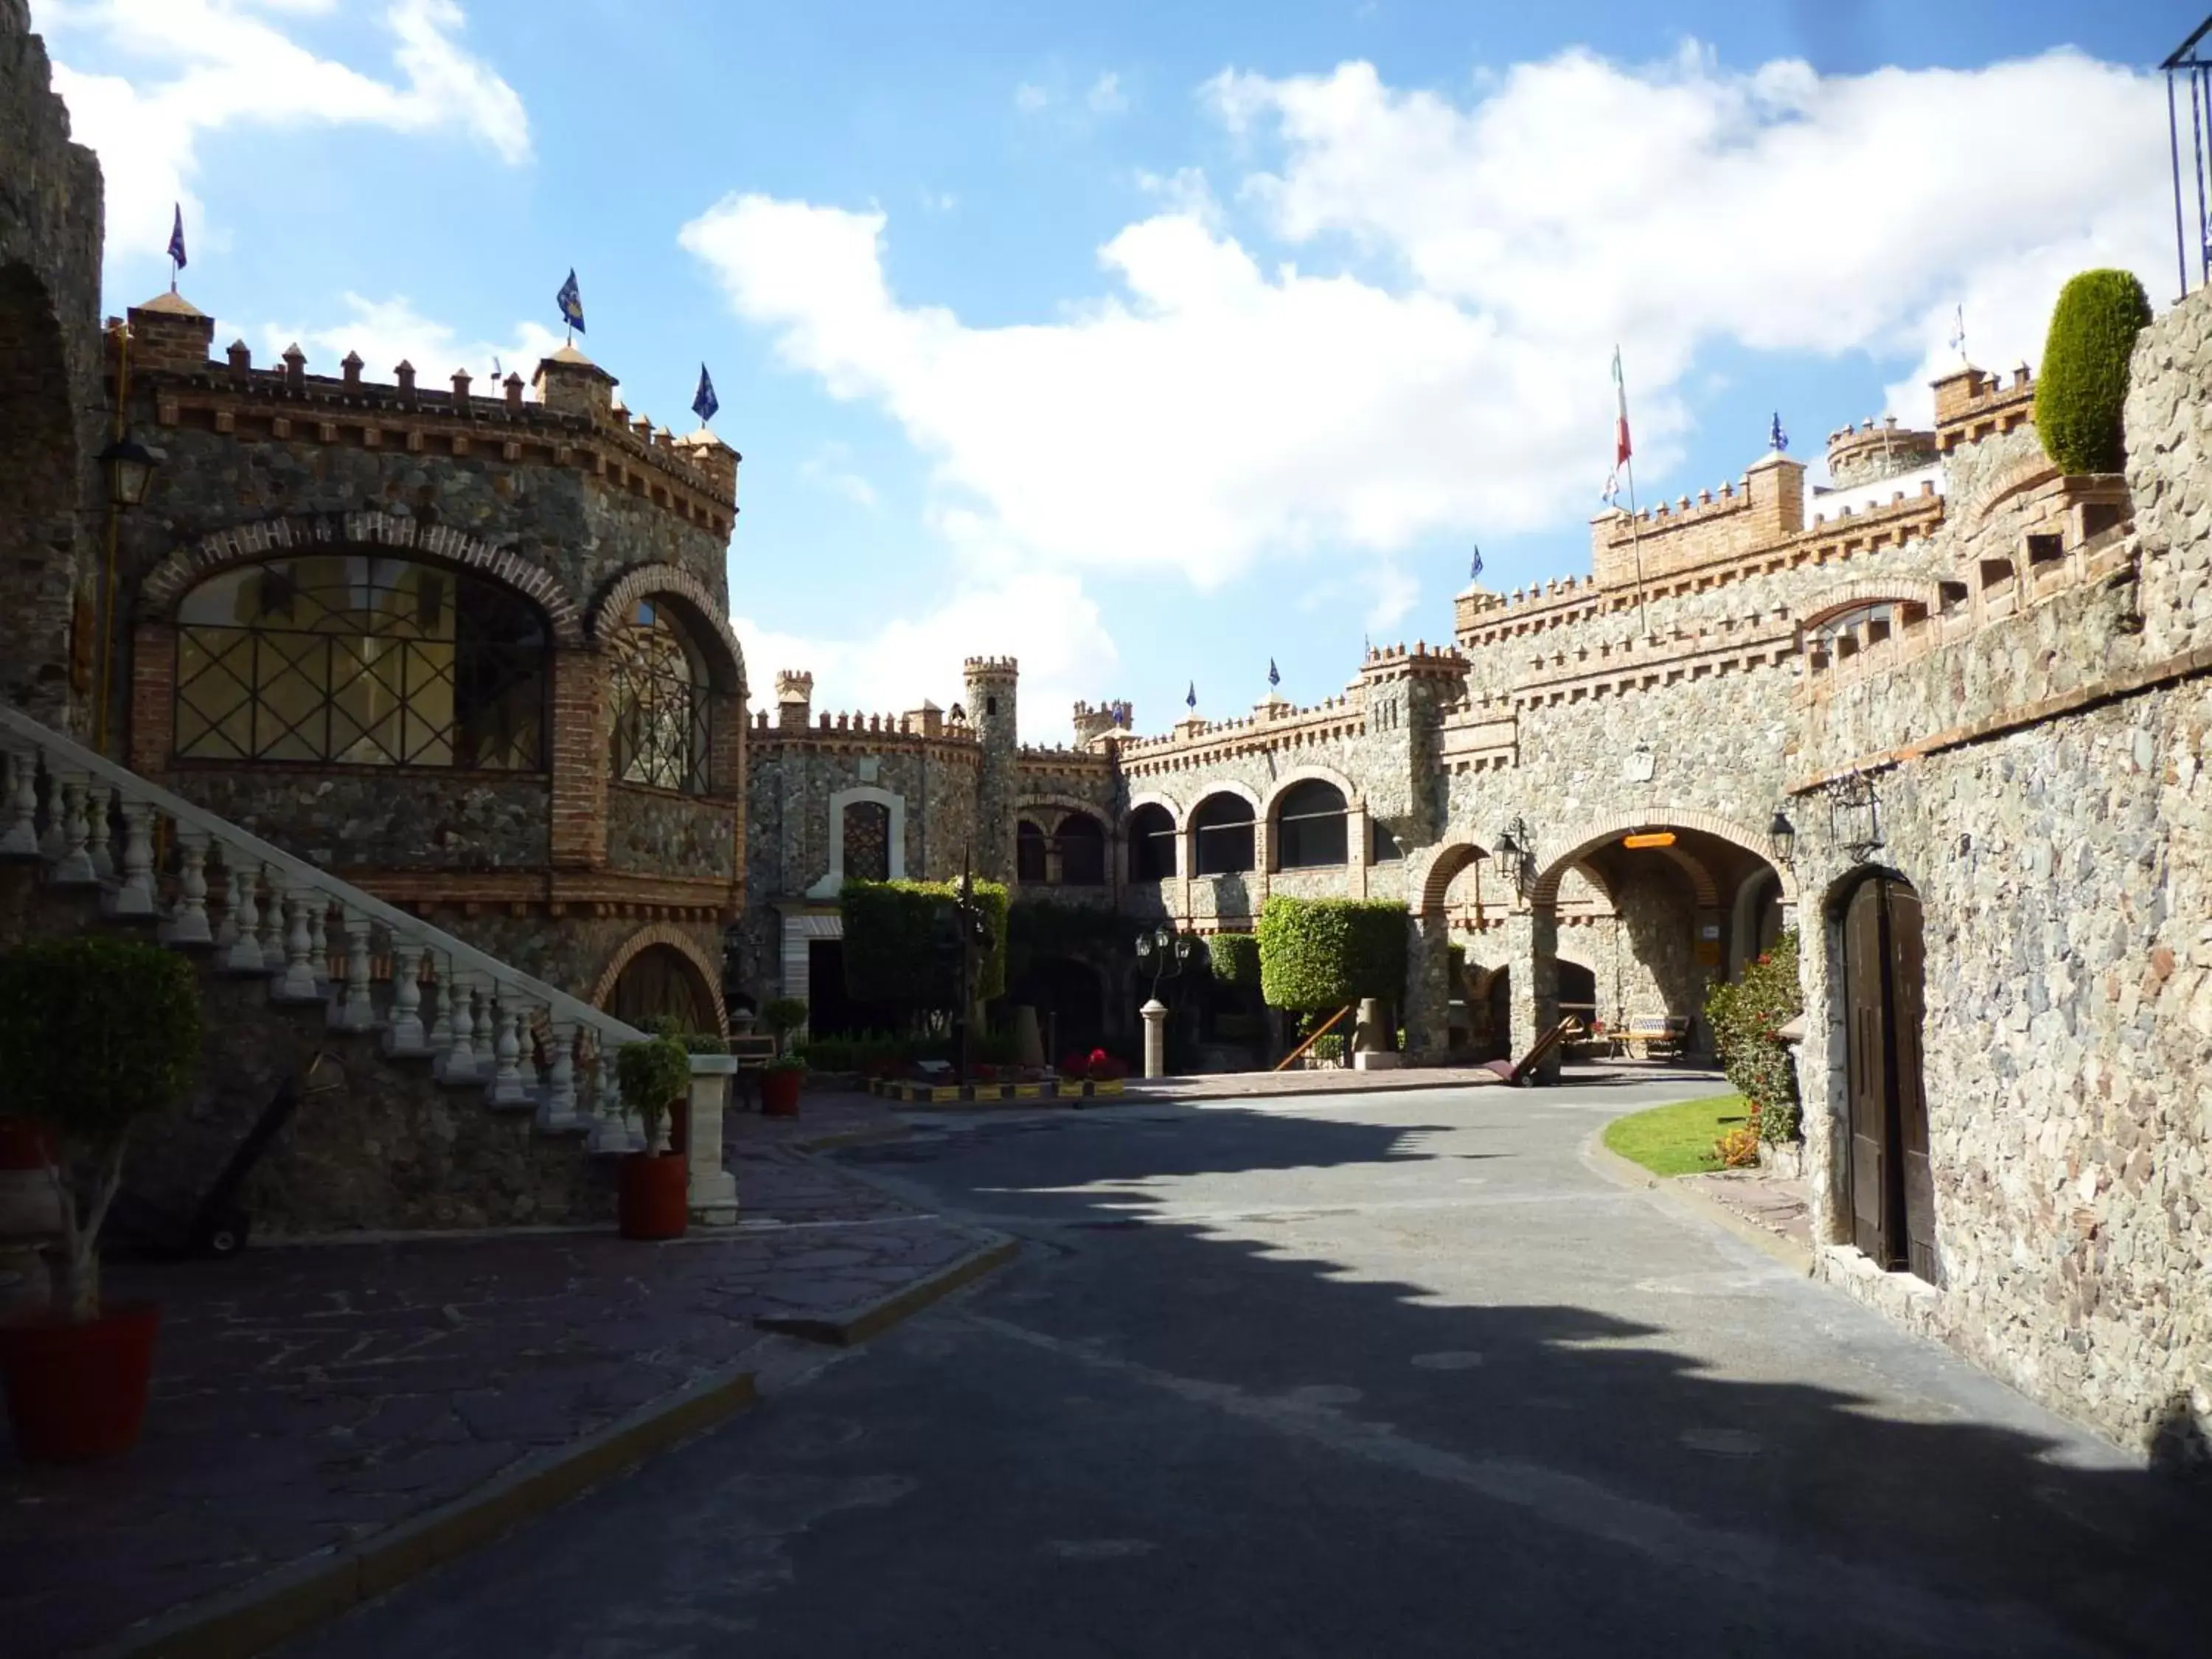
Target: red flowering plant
x,y
1074,1066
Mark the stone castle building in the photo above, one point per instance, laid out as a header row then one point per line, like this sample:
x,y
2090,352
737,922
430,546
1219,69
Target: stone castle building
x,y
470,654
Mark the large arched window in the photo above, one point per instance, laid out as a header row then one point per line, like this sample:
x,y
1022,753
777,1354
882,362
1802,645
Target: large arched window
x,y
660,698
359,660
1029,854
1082,841
1221,827
1152,843
1310,826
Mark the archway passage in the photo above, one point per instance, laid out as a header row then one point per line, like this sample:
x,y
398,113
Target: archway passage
x,y
657,981
1221,836
1891,1182
1152,843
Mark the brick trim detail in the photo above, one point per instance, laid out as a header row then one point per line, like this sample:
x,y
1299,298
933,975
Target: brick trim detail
x,y
1155,798
709,982
1546,894
1850,596
1354,800
249,544
641,581
1443,866
2023,474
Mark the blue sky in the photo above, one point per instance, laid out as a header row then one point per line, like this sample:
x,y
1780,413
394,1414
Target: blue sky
x,y
1146,342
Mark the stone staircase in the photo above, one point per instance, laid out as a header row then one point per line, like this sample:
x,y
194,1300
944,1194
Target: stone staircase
x,y
455,1090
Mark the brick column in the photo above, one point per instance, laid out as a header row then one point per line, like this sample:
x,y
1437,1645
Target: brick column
x,y
153,712
1356,848
580,760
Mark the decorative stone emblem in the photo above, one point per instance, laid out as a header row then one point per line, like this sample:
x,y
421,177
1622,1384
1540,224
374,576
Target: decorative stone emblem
x,y
1639,764
870,765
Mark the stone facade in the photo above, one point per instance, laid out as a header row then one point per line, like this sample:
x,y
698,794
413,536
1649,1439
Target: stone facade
x,y
52,406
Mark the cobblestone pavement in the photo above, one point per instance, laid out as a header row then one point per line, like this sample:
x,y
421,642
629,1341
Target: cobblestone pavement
x,y
307,1396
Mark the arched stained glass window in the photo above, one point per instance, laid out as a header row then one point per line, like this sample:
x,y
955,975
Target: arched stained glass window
x,y
347,658
659,697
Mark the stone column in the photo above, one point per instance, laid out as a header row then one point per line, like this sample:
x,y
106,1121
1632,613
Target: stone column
x,y
714,1189
1532,946
1356,848
1155,1014
1428,984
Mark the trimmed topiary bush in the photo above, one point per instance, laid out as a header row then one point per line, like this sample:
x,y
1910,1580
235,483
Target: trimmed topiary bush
x,y
1234,957
1745,1016
1324,953
2083,386
895,942
653,1075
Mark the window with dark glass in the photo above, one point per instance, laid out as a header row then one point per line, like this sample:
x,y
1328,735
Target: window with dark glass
x,y
1382,847
1082,851
1310,826
1221,829
1151,844
347,658
868,841
658,692
1029,852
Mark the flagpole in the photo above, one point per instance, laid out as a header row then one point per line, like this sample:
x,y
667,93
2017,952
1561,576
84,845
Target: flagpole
x,y
1635,544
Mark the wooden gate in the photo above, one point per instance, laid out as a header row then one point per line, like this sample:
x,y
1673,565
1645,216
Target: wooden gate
x,y
1892,1186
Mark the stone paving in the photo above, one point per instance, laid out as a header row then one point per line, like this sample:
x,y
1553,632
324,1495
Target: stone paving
x,y
1781,1208
308,1395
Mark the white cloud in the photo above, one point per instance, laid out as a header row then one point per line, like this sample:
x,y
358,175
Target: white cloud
x,y
1029,98
831,468
1391,598
1438,361
1106,96
387,332
1185,192
1043,618
201,65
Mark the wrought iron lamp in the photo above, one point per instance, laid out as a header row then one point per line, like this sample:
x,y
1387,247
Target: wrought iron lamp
x,y
130,466
1784,835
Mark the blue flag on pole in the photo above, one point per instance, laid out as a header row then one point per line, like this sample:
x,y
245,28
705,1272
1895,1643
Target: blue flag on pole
x,y
1475,566
571,299
177,239
704,403
1776,439
1273,678
1190,697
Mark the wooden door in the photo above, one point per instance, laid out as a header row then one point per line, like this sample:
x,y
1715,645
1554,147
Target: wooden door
x,y
1892,1183
1867,1068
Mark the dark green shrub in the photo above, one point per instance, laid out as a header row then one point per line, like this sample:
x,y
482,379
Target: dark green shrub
x,y
2083,386
1324,953
695,1042
1745,1016
892,943
95,1033
1235,957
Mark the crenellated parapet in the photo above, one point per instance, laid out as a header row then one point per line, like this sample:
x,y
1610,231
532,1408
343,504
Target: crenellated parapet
x,y
1972,405
574,423
1731,646
1271,726
1766,506
1879,449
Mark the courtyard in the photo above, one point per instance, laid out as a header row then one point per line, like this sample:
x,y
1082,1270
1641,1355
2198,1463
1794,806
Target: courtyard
x,y
1403,1372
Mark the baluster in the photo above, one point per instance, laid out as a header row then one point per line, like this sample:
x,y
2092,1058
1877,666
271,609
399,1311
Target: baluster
x,y
405,1035
243,924
461,1065
136,896
275,953
298,984
558,1113
21,838
356,1008
75,868
507,1085
99,797
188,920
442,1028
55,841
610,1130
486,1061
318,939
225,933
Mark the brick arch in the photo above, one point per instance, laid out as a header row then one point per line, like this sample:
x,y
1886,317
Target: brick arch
x,y
1593,836
709,983
2024,473
1354,800
1444,863
1154,797
642,581
1036,806
1856,595
1229,787
191,562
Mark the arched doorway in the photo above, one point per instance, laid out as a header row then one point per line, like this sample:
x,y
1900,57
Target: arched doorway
x,y
660,980
1890,1181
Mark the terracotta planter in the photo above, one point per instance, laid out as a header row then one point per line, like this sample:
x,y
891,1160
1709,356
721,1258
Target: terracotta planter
x,y
654,1197
77,1391
780,1092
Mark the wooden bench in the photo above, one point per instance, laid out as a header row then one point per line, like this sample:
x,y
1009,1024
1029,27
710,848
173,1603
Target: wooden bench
x,y
1655,1036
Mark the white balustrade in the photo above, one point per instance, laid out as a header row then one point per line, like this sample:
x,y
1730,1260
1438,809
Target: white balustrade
x,y
319,941
610,1131
405,1035
557,1111
20,837
486,1061
135,895
188,921
74,867
298,984
460,1061
506,1088
275,950
244,922
442,1027
100,798
356,1008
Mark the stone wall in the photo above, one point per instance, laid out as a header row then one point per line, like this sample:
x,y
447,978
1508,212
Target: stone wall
x,y
51,403
417,819
656,831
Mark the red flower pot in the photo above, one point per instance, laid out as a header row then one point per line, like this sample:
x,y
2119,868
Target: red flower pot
x,y
780,1092
79,1391
654,1199
24,1143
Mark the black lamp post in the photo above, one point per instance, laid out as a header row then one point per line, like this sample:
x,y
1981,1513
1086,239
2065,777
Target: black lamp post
x,y
130,466
1784,835
973,925
1165,952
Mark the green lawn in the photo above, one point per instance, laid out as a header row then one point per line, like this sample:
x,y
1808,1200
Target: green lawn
x,y
1678,1139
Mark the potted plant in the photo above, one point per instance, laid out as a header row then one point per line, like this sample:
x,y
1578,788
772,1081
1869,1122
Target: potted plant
x,y
652,1200
780,1081
94,1034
